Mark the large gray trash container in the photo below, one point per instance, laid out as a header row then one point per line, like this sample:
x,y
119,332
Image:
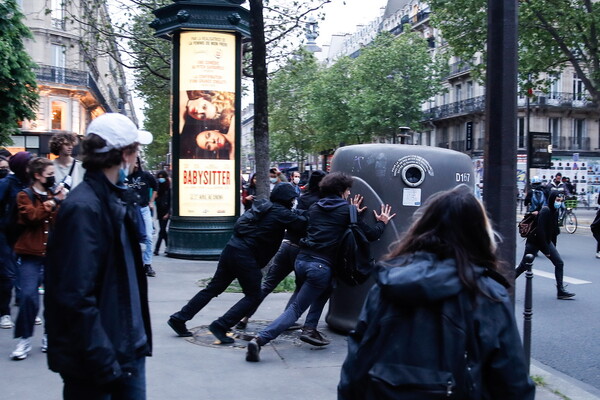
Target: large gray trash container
x,y
403,176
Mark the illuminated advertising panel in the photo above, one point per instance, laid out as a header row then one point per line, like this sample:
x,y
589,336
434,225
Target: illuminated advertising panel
x,y
207,124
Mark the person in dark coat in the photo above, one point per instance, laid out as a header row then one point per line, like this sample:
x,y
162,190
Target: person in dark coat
x,y
544,240
163,207
444,265
96,300
249,192
247,252
328,219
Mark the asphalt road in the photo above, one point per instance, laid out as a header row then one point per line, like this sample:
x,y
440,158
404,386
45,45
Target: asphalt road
x,y
565,332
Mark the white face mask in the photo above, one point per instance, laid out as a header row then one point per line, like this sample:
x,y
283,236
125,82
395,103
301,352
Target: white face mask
x,y
296,180
124,171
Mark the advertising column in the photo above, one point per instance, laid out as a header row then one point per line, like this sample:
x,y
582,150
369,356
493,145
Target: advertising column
x,y
207,93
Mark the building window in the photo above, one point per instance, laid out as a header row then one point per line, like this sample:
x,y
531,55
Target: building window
x,y
458,93
59,115
579,135
578,88
469,89
555,88
554,129
521,132
59,61
58,14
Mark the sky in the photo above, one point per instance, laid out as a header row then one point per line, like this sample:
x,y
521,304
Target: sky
x,y
342,16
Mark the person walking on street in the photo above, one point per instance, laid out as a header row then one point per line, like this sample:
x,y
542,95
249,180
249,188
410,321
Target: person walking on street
x,y
68,170
544,240
37,210
328,219
439,322
143,184
257,235
96,301
163,208
10,186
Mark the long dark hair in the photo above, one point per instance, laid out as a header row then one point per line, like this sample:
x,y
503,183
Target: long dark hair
x,y
453,224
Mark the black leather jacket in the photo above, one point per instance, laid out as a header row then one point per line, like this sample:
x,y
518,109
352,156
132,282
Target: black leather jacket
x,y
88,302
419,280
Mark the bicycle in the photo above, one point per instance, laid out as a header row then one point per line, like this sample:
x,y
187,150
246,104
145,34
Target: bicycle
x,y
568,219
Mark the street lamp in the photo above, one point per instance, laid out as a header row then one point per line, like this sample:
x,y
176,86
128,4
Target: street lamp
x,y
206,98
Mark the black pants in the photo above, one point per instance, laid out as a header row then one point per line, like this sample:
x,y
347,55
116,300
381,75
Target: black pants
x,y
233,263
533,248
162,233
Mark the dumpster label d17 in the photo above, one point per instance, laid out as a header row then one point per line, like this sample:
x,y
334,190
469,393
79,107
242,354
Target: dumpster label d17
x,y
412,160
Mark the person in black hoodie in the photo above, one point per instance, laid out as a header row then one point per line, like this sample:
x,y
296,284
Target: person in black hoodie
x,y
282,263
249,249
544,240
328,219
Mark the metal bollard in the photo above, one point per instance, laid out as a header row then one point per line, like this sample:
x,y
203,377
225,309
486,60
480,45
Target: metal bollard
x,y
528,309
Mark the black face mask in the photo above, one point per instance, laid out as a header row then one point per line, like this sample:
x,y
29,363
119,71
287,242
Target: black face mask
x,y
3,173
49,182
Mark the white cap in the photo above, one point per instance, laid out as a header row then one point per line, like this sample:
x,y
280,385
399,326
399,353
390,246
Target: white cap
x,y
118,131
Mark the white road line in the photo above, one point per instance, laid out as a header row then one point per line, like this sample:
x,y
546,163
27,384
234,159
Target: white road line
x,y
567,279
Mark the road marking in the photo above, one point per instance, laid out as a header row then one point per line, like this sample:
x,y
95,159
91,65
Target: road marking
x,y
568,279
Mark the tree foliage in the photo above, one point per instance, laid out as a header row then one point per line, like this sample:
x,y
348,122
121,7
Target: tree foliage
x,y
18,87
552,34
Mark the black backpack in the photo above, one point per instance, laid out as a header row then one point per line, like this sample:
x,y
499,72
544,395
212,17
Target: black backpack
x,y
248,221
9,215
354,263
423,352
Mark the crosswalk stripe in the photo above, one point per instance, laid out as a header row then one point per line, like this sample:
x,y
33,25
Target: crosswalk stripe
x,y
567,279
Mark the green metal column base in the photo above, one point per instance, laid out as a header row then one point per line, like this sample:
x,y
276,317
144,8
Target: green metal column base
x,y
199,239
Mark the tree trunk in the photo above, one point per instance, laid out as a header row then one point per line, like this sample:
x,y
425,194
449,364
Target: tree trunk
x,y
261,114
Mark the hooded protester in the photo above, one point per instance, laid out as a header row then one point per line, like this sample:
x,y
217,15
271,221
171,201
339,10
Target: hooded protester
x,y
328,219
10,186
256,237
544,240
439,323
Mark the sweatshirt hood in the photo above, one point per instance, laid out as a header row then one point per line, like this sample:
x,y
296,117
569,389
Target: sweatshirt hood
x,y
283,193
331,202
418,278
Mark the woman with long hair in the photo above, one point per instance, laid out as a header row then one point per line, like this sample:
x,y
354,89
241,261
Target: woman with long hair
x,y
163,207
440,281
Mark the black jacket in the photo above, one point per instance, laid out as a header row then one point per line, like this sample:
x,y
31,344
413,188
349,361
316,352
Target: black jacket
x,y
88,301
547,229
416,283
328,219
264,240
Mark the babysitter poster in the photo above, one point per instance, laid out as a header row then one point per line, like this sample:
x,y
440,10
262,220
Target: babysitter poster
x,y
207,124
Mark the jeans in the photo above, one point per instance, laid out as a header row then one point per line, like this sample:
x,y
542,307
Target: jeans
x,y
130,386
147,216
8,274
29,269
532,248
233,263
314,276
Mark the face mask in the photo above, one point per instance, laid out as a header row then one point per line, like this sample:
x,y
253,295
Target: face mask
x,y
296,180
49,182
557,204
273,180
124,172
162,180
3,173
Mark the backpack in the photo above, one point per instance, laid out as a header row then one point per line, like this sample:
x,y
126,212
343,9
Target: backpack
x,y
425,352
354,263
528,225
248,221
9,214
538,199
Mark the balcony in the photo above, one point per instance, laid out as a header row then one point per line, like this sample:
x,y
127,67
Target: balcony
x,y
558,99
457,69
66,76
472,105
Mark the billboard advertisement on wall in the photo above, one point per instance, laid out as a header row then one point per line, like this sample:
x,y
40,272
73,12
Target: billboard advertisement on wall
x,y
207,95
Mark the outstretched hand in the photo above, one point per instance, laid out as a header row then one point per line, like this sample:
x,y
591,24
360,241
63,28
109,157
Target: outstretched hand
x,y
357,200
385,215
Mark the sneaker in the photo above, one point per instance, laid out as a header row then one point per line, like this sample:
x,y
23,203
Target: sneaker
x,y
562,294
253,351
314,337
22,350
44,343
598,254
149,271
38,321
179,327
6,322
41,290
295,326
220,333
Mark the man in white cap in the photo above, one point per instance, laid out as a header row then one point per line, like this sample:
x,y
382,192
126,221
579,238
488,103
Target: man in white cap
x,y
96,301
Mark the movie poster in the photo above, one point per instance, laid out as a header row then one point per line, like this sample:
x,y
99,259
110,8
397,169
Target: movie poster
x,y
207,124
